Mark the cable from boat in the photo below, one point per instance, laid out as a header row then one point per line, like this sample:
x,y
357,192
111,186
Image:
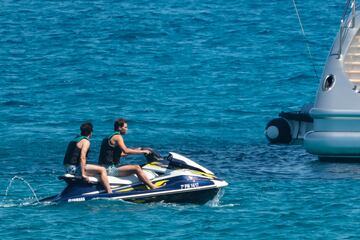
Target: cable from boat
x,y
306,40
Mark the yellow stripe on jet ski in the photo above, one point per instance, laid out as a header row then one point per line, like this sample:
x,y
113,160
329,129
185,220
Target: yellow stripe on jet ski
x,y
158,183
156,164
161,183
126,190
204,174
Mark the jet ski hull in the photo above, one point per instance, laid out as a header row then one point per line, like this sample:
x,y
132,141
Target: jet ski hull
x,y
179,180
178,190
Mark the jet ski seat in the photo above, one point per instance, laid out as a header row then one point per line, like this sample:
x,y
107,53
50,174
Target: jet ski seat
x,y
113,180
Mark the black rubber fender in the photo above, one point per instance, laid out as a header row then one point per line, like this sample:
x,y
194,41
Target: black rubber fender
x,y
283,133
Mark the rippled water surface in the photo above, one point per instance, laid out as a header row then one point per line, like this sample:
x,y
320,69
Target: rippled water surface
x,y
201,78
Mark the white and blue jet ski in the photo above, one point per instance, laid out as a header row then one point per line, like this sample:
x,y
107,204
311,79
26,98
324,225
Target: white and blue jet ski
x,y
180,180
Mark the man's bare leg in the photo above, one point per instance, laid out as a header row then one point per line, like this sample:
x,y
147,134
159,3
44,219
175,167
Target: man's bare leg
x,y
91,169
131,169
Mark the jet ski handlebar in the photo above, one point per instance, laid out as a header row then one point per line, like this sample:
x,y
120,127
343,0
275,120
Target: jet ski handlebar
x,y
153,156
176,160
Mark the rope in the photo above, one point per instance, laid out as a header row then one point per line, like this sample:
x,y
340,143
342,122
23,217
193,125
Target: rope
x,y
306,40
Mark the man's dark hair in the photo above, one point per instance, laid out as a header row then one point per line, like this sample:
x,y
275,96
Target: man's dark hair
x,y
119,123
86,129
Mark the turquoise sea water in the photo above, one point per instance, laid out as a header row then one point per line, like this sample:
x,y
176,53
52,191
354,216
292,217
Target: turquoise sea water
x,y
201,78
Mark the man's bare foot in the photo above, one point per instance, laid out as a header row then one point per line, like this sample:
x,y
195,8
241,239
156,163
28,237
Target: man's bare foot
x,y
153,186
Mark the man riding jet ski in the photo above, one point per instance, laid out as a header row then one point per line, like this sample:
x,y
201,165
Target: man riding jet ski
x,y
179,180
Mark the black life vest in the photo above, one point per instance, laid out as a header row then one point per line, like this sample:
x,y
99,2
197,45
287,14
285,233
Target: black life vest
x,y
109,154
72,155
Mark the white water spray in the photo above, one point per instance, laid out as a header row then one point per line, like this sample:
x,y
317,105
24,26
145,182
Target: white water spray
x,y
24,181
215,202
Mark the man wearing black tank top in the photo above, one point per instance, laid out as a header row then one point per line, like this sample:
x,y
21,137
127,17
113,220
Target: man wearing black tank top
x,y
113,148
76,156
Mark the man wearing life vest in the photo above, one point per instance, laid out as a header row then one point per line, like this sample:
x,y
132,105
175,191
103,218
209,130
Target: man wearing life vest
x,y
76,156
113,148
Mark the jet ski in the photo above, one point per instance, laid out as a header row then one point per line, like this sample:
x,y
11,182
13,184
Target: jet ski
x,y
180,180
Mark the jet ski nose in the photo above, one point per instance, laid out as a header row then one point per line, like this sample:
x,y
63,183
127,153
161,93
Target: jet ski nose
x,y
220,183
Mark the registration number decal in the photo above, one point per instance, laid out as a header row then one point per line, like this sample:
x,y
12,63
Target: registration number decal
x,y
189,185
81,199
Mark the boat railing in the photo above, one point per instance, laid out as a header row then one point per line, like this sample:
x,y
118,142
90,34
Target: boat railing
x,y
347,22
